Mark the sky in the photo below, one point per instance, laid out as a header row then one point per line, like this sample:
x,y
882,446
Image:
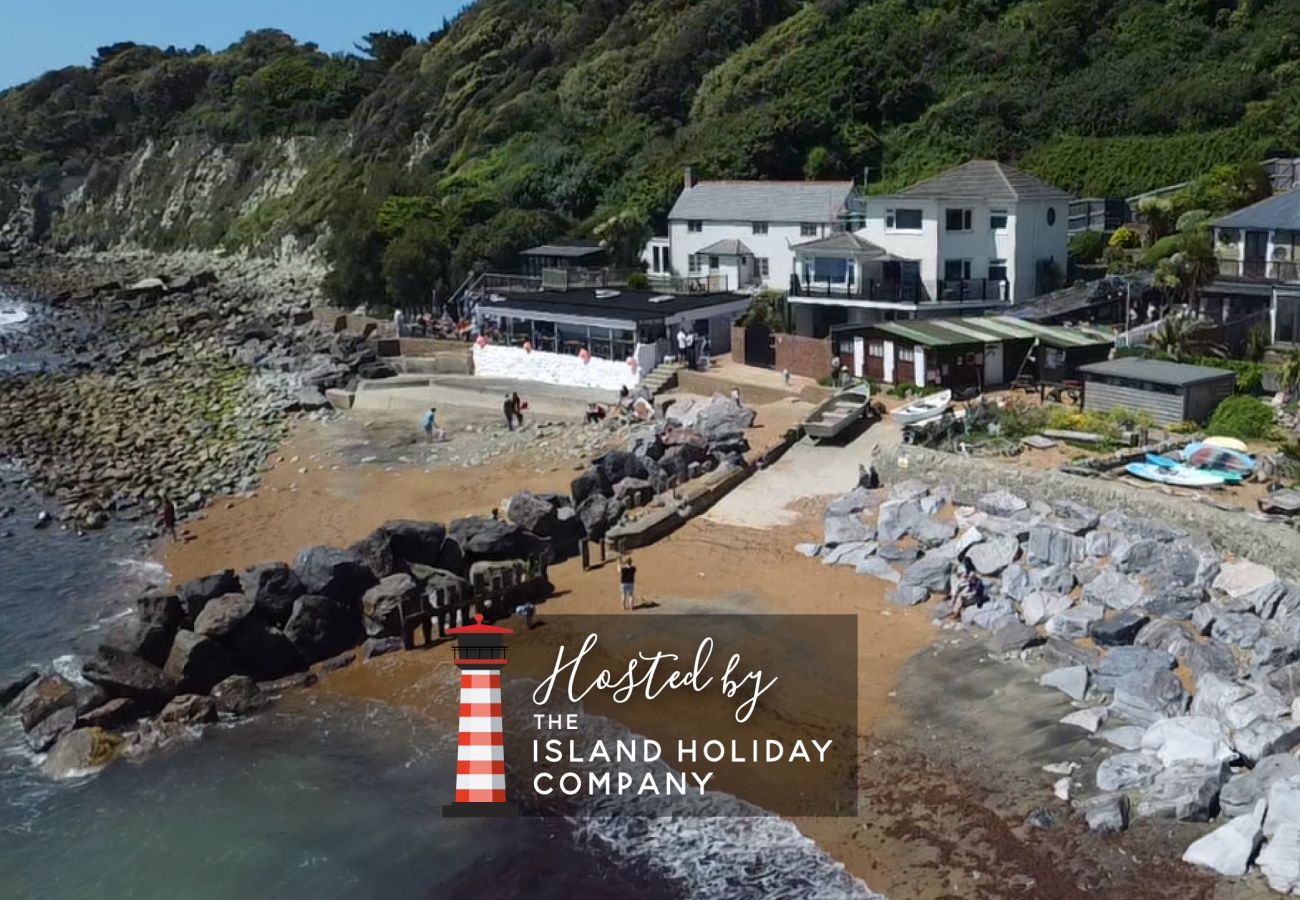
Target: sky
x,y
38,35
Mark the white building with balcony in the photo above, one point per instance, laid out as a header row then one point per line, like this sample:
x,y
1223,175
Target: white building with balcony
x,y
1259,265
735,235
982,235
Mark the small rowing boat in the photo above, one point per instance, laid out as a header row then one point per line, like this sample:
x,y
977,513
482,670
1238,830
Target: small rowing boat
x,y
923,409
1178,476
837,414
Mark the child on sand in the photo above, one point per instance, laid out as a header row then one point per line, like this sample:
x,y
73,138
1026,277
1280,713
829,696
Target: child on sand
x,y
627,582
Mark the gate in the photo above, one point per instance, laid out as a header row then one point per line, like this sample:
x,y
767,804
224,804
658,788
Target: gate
x,y
760,346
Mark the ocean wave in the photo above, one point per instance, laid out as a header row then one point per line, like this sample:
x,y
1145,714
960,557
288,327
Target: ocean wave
x,y
12,315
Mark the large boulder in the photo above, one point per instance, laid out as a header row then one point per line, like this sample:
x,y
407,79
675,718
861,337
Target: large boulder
x,y
990,557
1188,739
932,533
1263,738
261,650
1071,680
1146,696
482,538
1118,630
1120,662
119,712
272,586
677,462
51,728
125,675
381,605
1074,517
1239,579
553,517
1241,793
321,627
44,697
1012,638
420,542
198,592
163,610
1126,771
1040,606
1114,590
197,663
80,753
846,529
1071,623
376,551
12,688
1279,861
148,640
238,695
341,575
1105,813
1002,504
1189,793
620,464
1230,848
593,481
719,419
223,615
189,709
1050,546
897,517
931,572
1241,629
599,514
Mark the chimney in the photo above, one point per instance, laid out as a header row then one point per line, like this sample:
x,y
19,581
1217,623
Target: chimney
x,y
689,178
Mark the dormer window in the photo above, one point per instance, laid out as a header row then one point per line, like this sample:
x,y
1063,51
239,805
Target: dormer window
x,y
694,225
759,228
808,229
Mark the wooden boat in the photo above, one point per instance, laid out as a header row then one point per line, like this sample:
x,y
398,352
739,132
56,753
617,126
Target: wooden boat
x,y
923,409
1179,476
1227,443
837,413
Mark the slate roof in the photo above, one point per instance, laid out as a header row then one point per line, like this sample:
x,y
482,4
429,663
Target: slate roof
x,y
985,179
846,242
1278,211
990,330
763,201
727,247
1156,371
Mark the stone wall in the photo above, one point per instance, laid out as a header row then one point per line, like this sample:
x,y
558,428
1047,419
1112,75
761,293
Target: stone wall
x,y
707,384
806,356
1230,531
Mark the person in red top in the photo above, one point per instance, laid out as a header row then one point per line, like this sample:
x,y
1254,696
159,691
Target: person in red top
x,y
167,516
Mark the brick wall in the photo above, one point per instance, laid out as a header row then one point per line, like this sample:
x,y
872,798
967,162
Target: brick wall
x,y
806,356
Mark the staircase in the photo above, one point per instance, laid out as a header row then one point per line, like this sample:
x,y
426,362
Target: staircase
x,y
663,377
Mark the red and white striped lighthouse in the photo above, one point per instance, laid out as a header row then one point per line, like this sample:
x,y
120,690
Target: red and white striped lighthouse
x,y
480,653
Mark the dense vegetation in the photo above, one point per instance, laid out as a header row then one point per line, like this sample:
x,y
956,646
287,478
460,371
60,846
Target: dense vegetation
x,y
525,120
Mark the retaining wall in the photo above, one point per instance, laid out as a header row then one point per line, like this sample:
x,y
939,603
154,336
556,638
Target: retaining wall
x,y
1234,532
553,368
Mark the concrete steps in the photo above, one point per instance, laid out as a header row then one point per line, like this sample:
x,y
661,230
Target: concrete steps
x,y
663,378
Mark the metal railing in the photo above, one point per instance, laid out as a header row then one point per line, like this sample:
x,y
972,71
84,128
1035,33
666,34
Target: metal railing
x,y
974,290
701,283
882,291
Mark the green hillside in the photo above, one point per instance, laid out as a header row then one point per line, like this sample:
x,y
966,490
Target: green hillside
x,y
529,119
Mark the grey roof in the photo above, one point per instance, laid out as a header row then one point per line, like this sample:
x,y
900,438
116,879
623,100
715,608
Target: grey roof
x,y
574,250
985,179
763,201
1156,371
846,242
726,247
1278,211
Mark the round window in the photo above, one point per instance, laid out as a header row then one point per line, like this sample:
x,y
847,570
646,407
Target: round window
x,y
1051,215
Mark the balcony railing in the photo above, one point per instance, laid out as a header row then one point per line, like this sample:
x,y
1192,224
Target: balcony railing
x,y
1260,270
884,291
701,283
975,290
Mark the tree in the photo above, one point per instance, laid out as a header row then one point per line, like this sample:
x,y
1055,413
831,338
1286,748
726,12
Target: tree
x,y
819,164
386,47
1183,334
1289,372
1158,216
624,235
1198,262
415,264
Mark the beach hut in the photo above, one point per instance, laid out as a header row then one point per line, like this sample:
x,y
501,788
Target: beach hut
x,y
1169,392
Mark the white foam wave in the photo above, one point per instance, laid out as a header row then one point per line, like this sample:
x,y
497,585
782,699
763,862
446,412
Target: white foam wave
x,y
69,666
143,570
12,315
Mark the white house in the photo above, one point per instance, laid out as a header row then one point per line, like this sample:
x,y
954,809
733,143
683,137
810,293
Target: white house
x,y
732,235
1259,265
981,235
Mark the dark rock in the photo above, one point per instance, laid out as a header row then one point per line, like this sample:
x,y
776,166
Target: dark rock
x,y
620,464
1184,792
164,610
331,572
593,481
908,595
149,641
238,695
678,461
196,593
382,604
382,646
1148,695
1174,601
550,517
1210,658
321,627
221,616
90,696
125,675
44,697
1105,813
1286,681
420,542
197,663
262,650
49,729
931,572
1043,818
598,514
119,712
376,551
1122,661
296,680
189,709
10,690
1121,628
272,587
340,661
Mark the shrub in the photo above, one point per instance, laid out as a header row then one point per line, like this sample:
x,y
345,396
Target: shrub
x,y
1187,427
1086,246
638,281
1242,417
1162,249
1125,238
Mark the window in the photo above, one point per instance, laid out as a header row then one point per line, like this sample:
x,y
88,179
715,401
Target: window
x,y
694,225
713,263
902,220
997,270
808,229
956,269
693,263
875,348
1051,215
830,269
762,266
998,219
1227,235
906,354
759,228
957,219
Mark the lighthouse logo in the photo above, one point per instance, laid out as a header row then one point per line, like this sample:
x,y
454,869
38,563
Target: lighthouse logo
x,y
480,654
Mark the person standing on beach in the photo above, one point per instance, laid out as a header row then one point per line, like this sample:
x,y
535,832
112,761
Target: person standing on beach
x,y
735,396
430,425
627,582
690,349
508,407
681,344
167,516
519,409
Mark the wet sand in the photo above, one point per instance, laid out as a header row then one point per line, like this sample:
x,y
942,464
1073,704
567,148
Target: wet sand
x,y
945,781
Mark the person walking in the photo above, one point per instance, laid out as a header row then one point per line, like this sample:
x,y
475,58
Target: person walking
x,y
167,517
681,344
520,406
690,349
508,407
627,582
430,425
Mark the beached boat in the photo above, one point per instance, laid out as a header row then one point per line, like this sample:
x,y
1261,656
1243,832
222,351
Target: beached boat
x,y
1227,443
1163,462
923,409
837,413
1210,456
1178,476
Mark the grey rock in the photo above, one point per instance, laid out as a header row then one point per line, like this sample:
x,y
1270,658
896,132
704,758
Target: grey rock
x,y
148,640
1203,659
593,482
81,752
1239,629
238,695
1049,546
1283,804
1001,503
1279,861
598,515
1229,849
189,709
1273,652
1243,791
1203,617
272,587
46,732
163,610
1215,693
1268,599
877,568
1126,737
1126,771
197,663
381,605
1054,579
1071,680
1159,634
1134,556
1148,696
124,675
958,546
909,489
119,712
1173,601
11,689
1074,517
1015,582
332,572
1040,606
895,552
1186,793
1186,740
846,529
908,595
1239,579
850,554
929,533
1263,738
321,627
380,646
856,501
993,555
1286,681
1113,590
897,517
812,551
196,593
990,616
43,697
1074,623
221,616
1105,813
1121,628
1068,653
931,572
1099,543
1012,638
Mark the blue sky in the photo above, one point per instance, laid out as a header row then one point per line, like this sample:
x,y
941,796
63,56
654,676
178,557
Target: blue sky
x,y
49,34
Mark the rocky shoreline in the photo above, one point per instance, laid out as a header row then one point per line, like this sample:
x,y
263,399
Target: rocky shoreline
x,y
170,376
1182,664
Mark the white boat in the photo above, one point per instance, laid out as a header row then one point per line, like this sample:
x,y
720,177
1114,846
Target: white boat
x,y
1227,443
923,409
837,413
1177,476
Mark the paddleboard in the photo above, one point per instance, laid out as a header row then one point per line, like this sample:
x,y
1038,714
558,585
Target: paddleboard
x,y
1179,476
1227,443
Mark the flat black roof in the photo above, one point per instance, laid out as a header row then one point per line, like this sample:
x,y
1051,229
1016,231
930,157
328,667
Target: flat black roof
x,y
1156,371
598,304
574,250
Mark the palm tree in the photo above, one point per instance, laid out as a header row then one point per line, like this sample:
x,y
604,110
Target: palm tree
x,y
1185,334
1289,372
1157,214
1198,262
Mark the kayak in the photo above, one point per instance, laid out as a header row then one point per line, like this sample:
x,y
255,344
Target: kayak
x,y
925,408
1163,462
1227,443
1208,456
1179,476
